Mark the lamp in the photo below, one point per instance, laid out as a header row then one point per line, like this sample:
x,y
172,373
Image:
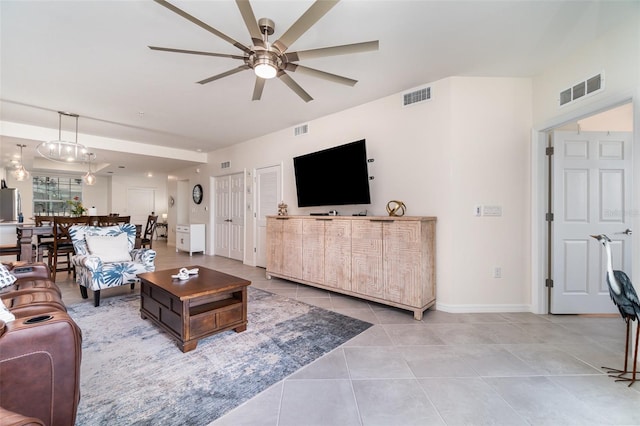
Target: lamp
x,y
63,151
89,178
264,66
20,172
164,217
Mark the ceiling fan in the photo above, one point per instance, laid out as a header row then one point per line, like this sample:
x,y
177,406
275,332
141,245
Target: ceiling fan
x,y
269,60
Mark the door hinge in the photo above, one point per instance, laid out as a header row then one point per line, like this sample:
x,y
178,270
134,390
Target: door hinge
x,y
548,217
548,150
548,282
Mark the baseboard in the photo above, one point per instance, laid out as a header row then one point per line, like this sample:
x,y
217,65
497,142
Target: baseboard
x,y
468,309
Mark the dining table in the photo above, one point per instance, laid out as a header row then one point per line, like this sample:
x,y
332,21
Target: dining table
x,y
25,234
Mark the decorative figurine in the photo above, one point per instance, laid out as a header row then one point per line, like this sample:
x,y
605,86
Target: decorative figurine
x,y
282,209
396,208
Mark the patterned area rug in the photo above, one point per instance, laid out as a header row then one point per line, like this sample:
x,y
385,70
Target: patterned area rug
x,y
134,374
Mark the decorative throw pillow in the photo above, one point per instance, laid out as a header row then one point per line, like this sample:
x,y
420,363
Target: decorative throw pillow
x,y
109,248
6,278
5,315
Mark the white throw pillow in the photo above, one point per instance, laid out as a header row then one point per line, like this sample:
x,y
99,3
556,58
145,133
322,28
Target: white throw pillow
x,y
5,315
6,277
109,248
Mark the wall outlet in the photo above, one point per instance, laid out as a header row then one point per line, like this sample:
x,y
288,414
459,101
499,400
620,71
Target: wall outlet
x,y
497,272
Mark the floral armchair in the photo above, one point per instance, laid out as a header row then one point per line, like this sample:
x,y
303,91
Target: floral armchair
x,y
105,257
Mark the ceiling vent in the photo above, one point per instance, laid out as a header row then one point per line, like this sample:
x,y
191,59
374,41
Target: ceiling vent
x,y
580,90
417,96
301,130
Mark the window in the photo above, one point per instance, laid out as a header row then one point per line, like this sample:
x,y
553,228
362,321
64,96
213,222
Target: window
x,y
51,193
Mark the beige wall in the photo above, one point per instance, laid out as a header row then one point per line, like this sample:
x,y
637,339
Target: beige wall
x,y
617,56
441,158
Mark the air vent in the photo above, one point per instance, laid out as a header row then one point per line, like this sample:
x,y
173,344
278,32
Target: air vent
x,y
579,90
225,165
417,96
301,130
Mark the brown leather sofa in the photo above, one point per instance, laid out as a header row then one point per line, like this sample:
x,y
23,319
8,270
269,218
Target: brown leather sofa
x,y
40,352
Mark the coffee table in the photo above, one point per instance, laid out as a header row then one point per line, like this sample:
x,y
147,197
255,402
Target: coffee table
x,y
190,310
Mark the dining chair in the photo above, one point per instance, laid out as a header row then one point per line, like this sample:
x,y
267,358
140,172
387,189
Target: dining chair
x,y
43,241
149,230
62,244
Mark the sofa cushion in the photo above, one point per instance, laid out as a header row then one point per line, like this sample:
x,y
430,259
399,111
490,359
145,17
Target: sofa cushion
x,y
109,248
6,277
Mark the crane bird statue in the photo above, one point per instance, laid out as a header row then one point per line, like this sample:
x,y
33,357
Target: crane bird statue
x,y
625,298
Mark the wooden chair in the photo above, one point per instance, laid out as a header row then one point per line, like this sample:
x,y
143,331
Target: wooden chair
x,y
112,220
149,230
62,245
43,241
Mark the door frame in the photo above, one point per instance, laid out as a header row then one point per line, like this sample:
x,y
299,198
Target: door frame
x,y
539,190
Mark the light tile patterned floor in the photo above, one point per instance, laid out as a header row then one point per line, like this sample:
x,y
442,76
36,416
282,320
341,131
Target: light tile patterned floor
x,y
448,369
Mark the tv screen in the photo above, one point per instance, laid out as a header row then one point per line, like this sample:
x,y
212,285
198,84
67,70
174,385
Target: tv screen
x,y
334,176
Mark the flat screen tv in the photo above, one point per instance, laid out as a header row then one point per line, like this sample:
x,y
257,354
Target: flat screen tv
x,y
334,176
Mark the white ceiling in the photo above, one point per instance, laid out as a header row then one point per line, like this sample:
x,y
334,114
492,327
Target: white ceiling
x,y
91,58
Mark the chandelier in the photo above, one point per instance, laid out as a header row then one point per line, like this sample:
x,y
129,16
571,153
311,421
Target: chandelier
x,y
20,173
60,150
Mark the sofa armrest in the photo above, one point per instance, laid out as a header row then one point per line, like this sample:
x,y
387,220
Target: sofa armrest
x,y
9,418
28,270
89,261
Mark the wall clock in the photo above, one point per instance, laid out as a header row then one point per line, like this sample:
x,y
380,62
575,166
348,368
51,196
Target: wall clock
x,y
197,194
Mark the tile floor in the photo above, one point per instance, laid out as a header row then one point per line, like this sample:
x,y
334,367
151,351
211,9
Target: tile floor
x,y
448,369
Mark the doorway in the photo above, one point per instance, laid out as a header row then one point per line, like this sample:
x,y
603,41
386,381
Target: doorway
x,y
588,191
140,204
228,220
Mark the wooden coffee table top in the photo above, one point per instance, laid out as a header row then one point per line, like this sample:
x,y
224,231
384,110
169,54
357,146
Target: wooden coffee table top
x,y
208,281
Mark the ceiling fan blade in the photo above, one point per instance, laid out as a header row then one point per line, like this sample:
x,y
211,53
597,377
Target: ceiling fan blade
x,y
321,74
203,25
257,89
306,21
224,74
250,21
286,79
195,52
345,49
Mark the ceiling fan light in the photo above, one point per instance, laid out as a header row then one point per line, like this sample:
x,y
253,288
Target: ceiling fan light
x,y
265,68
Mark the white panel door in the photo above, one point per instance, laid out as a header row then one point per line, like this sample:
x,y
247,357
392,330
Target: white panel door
x,y
591,195
221,217
236,216
268,196
140,204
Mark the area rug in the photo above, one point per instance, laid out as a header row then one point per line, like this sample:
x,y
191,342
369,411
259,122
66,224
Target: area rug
x,y
132,373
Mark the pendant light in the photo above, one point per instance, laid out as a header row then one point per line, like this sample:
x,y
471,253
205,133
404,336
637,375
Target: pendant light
x,y
89,178
20,173
60,150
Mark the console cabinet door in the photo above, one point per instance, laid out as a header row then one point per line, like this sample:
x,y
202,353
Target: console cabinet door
x,y
337,253
275,244
284,246
366,257
313,246
403,263
292,247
